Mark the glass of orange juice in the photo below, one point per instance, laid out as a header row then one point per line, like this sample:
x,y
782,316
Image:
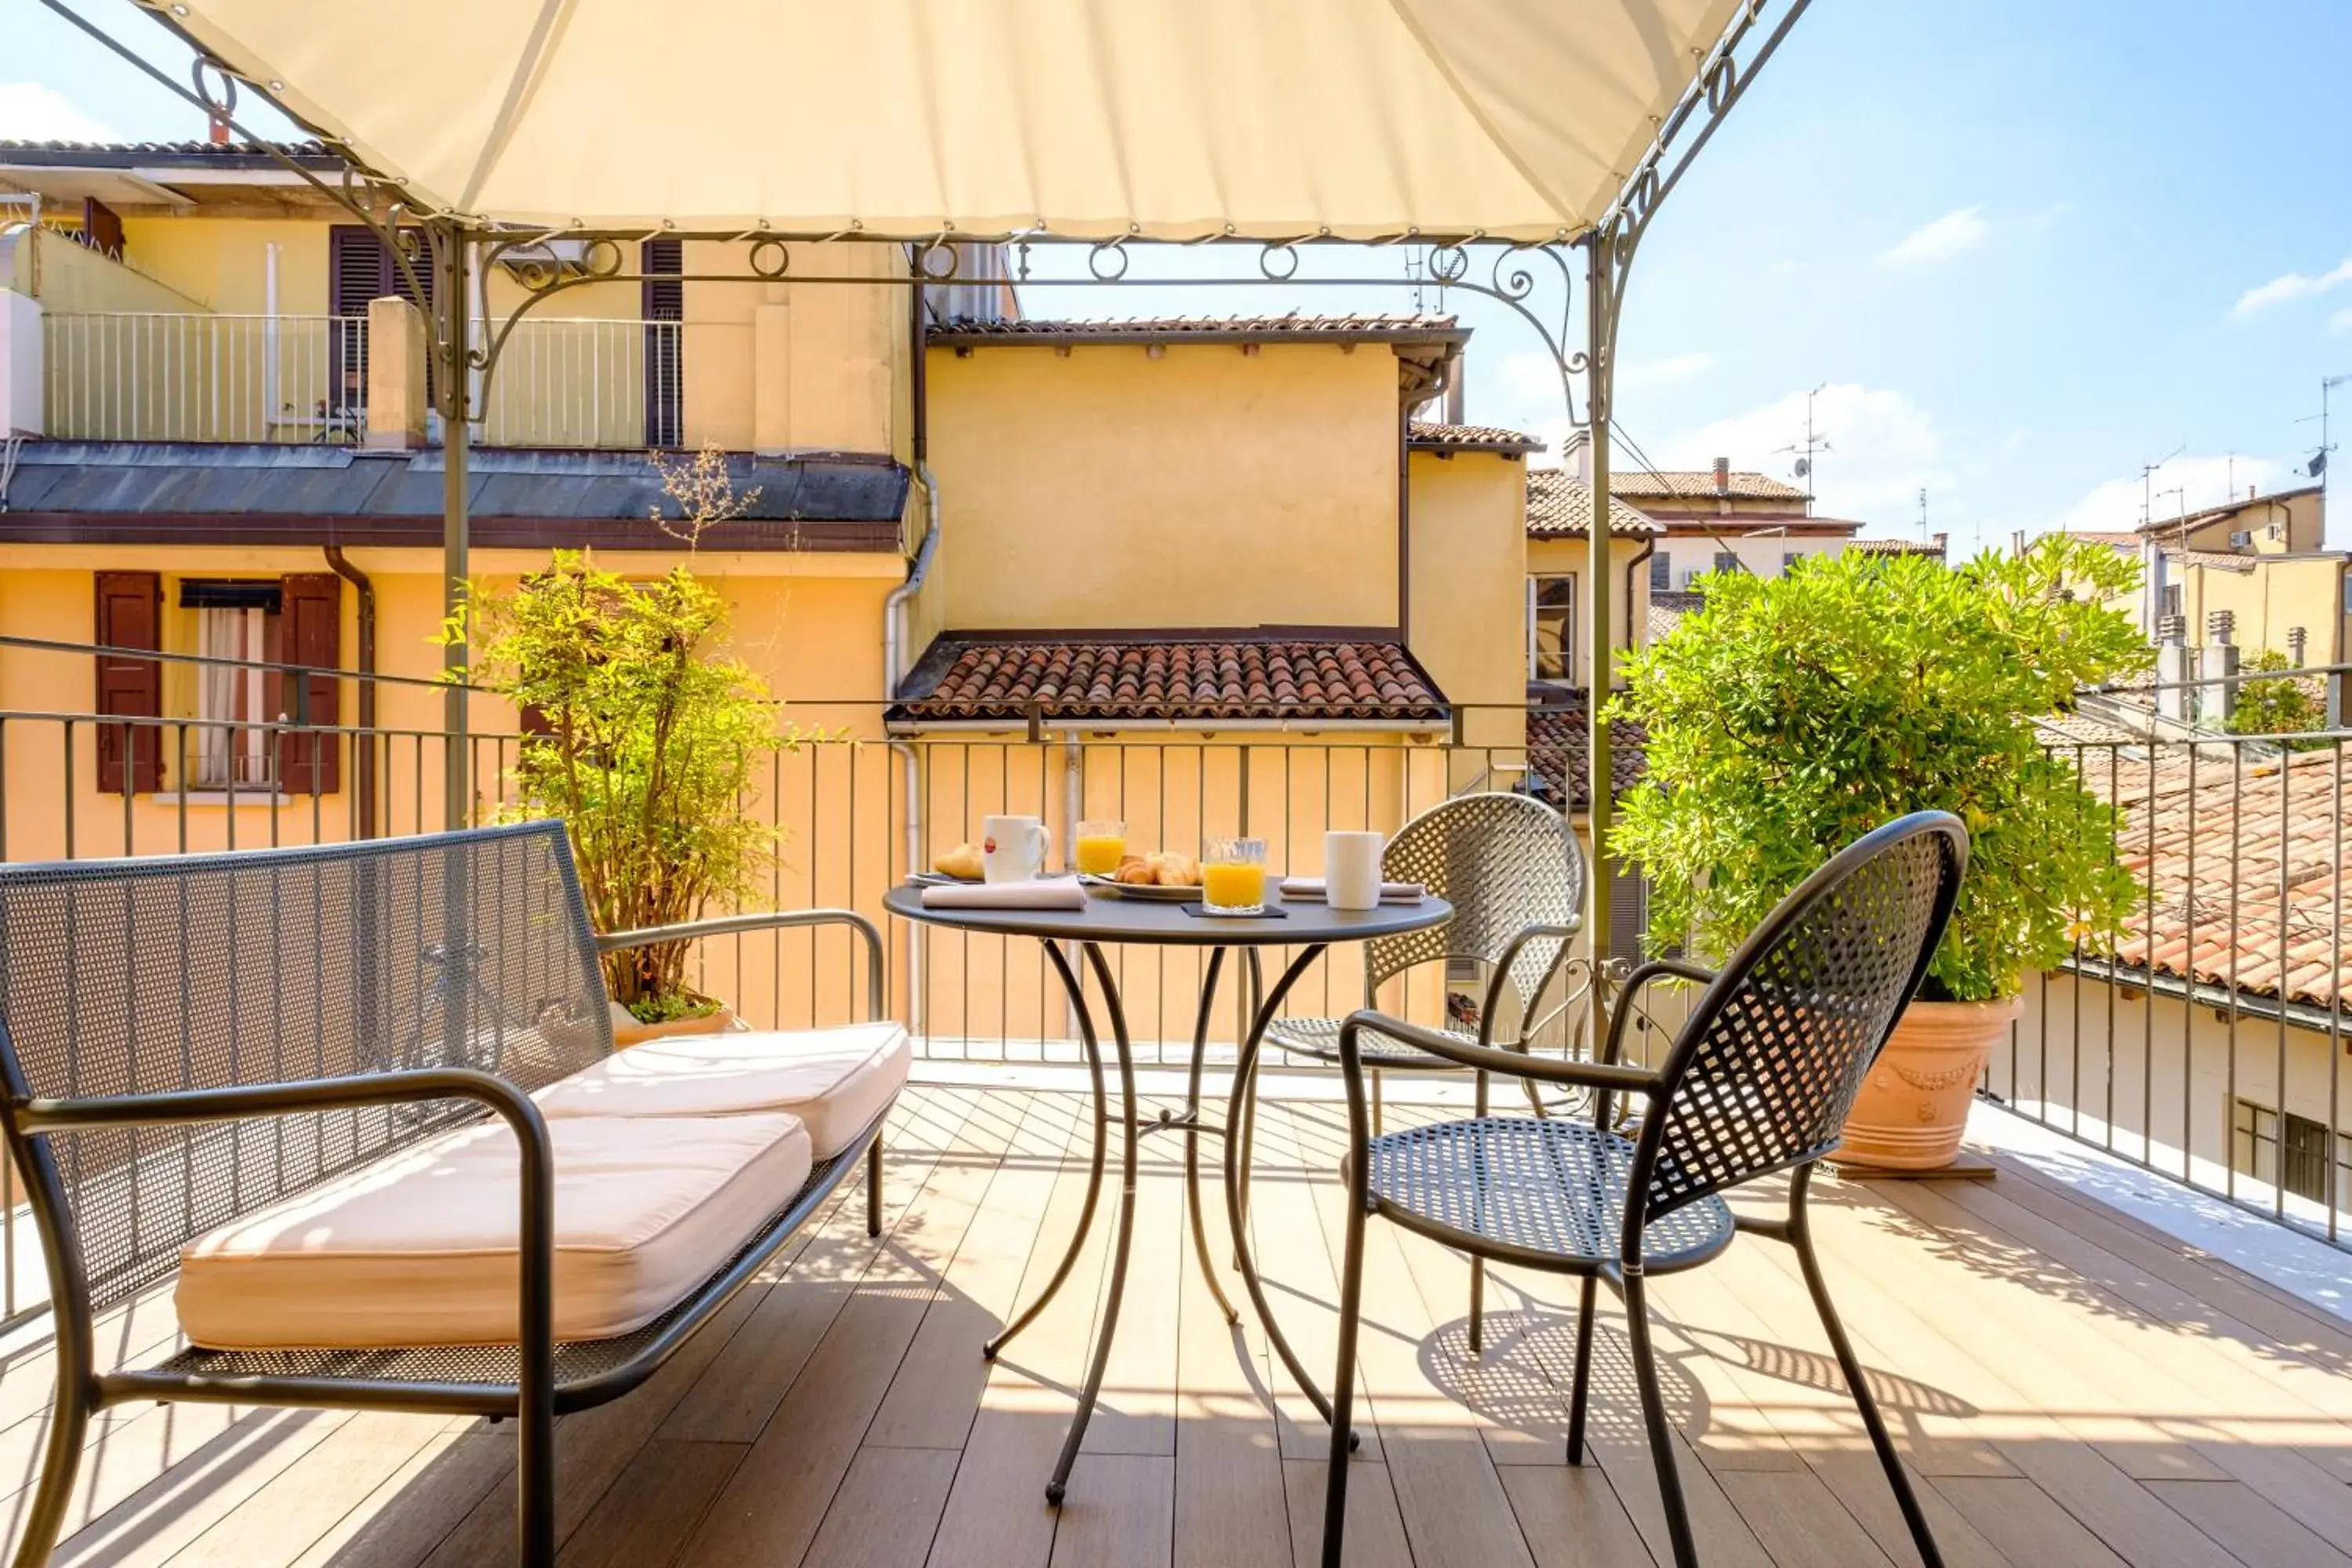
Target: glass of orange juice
x,y
1101,845
1233,877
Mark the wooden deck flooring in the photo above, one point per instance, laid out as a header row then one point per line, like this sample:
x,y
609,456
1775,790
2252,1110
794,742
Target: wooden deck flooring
x,y
2073,1389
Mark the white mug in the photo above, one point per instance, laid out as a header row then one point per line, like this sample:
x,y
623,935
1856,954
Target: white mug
x,y
1013,848
1351,870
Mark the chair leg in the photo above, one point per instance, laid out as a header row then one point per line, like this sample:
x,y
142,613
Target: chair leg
x,y
874,1186
1343,1386
1654,1418
1478,1263
535,1495
1801,1237
1374,1074
68,1428
1579,1390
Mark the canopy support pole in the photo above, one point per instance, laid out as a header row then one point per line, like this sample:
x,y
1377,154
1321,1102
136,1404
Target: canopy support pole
x,y
451,285
1601,254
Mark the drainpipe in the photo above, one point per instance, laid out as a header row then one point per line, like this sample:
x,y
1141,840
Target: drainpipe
x,y
894,629
1649,548
364,743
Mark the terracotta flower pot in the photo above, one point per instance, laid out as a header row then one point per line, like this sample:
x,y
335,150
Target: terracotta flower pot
x,y
1914,1103
627,1030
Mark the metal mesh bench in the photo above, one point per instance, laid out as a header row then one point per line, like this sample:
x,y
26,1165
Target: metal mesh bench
x,y
189,1039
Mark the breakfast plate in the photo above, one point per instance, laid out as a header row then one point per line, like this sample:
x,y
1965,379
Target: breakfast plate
x,y
1144,892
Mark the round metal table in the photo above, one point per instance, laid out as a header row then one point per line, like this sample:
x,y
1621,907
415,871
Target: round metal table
x,y
1309,927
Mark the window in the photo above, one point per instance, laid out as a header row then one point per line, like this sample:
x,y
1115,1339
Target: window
x,y
2241,539
1725,561
1552,627
664,302
361,268
2297,1161
2171,606
234,620
1662,574
1789,559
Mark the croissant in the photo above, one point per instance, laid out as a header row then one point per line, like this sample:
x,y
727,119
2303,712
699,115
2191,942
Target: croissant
x,y
963,862
1175,869
1135,871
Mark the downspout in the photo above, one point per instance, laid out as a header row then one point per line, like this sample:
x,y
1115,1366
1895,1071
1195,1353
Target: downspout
x,y
1649,548
894,628
362,743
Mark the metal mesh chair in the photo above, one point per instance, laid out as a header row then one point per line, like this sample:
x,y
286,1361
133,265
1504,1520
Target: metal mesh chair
x,y
185,1039
1759,1080
1511,867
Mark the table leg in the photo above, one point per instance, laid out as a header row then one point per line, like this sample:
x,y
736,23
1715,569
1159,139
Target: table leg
x,y
1102,1141
1192,1136
1120,1242
1243,1074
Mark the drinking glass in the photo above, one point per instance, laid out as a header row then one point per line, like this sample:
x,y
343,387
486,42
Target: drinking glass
x,y
1233,877
1101,845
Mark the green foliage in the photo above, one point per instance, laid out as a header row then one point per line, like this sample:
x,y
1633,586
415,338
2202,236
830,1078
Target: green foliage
x,y
1788,716
2276,707
651,732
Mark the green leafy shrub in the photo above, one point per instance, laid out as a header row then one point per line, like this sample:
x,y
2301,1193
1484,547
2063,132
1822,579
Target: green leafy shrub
x,y
2276,707
1790,715
649,734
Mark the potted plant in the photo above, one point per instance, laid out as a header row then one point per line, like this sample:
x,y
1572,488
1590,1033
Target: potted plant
x,y
1788,716
641,733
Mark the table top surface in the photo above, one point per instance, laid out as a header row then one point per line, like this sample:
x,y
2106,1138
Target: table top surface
x,y
1117,920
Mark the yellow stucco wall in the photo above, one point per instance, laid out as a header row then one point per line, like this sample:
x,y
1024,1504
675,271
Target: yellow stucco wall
x,y
1201,488
1629,613
2278,594
65,276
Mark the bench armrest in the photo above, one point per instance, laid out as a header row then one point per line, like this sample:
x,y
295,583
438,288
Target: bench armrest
x,y
773,920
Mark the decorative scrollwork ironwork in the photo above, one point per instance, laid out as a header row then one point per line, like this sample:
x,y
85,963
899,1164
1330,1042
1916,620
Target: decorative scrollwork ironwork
x,y
770,258
940,261
1108,260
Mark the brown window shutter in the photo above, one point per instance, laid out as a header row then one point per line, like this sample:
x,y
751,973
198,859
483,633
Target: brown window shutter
x,y
311,632
130,615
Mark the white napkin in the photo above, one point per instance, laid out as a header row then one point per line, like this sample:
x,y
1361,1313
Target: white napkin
x,y
1311,888
1057,893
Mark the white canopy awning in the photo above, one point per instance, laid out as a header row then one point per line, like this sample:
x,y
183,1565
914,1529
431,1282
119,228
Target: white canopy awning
x,y
1164,118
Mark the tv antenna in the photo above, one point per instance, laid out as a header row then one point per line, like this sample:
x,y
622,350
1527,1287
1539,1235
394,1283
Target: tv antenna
x,y
2317,467
2148,484
1814,443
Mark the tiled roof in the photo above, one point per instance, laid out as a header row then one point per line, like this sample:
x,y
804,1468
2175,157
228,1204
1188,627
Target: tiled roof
x,y
1898,547
1472,438
1560,506
2107,536
2219,914
1667,610
2227,508
1195,679
2221,560
1559,753
1290,327
1697,484
2061,730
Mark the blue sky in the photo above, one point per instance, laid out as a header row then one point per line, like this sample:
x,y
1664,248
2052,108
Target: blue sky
x,y
2024,249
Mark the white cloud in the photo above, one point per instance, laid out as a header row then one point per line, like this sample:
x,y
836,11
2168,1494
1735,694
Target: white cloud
x,y
1662,371
2118,505
1946,236
2293,286
30,111
1883,450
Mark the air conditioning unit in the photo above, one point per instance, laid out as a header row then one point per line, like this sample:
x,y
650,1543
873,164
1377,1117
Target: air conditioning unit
x,y
569,256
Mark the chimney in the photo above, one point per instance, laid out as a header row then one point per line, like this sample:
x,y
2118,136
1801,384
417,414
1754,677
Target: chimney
x,y
2220,625
2172,669
2297,641
1456,375
216,130
1723,476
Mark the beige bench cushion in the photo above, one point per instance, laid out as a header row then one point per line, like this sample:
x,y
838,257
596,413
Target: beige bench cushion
x,y
420,1247
835,1080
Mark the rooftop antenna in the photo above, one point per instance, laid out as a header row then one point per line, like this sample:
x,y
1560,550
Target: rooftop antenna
x,y
1814,443
2148,483
1923,514
2317,467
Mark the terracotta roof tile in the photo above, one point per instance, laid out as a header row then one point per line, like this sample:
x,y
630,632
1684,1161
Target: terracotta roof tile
x,y
1560,754
1471,437
1898,547
2242,867
1667,609
1294,326
1110,678
1560,506
1689,484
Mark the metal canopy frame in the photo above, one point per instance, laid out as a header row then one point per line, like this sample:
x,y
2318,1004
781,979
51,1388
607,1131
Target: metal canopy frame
x,y
1519,275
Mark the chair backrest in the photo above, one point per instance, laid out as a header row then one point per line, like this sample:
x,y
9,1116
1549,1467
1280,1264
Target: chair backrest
x,y
1775,1049
142,976
1504,862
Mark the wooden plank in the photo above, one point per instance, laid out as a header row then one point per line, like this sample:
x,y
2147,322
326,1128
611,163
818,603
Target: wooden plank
x,y
415,1507
653,1505
312,1497
174,1507
1137,1412
1858,1482
2252,1528
1799,1520
2025,1524
1375,1537
887,1509
1122,1515
1572,1519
